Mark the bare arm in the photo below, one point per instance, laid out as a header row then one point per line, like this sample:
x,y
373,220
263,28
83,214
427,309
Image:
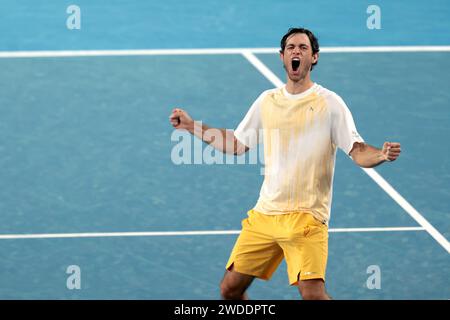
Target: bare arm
x,y
367,156
221,139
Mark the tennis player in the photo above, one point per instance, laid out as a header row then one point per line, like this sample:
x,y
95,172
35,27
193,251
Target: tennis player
x,y
301,126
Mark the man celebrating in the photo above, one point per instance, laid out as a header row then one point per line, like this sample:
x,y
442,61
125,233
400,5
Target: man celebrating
x,y
302,124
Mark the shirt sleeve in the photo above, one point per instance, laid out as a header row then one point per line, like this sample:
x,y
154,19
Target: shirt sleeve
x,y
247,131
343,129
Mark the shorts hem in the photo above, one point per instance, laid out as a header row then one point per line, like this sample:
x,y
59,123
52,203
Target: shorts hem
x,y
312,277
249,273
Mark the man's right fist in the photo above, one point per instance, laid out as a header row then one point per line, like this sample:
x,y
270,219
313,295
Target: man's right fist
x,y
180,119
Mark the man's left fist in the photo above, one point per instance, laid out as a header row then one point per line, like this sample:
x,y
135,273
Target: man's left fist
x,y
391,150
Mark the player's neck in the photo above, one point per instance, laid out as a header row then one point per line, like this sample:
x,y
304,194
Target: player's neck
x,y
297,87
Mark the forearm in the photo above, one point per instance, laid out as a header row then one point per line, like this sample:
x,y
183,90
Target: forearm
x,y
367,156
221,139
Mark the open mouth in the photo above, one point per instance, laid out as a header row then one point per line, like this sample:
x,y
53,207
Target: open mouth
x,y
295,63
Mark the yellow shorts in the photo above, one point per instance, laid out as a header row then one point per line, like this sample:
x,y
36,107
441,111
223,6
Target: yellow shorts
x,y
266,239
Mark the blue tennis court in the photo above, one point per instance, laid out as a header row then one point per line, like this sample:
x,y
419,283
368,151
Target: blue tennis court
x,y
85,154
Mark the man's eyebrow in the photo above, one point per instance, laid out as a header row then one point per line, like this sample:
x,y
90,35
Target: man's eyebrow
x,y
301,44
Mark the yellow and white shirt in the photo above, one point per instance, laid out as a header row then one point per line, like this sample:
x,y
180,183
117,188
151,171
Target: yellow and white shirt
x,y
300,135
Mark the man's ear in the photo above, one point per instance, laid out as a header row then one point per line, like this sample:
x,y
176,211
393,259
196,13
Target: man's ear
x,y
315,57
281,55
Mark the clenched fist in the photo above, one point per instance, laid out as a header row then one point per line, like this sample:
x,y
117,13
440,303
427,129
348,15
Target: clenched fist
x,y
391,150
180,119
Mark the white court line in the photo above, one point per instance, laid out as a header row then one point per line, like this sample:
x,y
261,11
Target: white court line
x,y
208,51
408,208
263,68
178,233
371,172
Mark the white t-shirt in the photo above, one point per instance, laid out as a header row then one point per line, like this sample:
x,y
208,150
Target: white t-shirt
x,y
300,135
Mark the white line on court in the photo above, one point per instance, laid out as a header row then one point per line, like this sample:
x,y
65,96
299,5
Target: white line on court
x,y
208,51
258,64
178,233
263,68
408,208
